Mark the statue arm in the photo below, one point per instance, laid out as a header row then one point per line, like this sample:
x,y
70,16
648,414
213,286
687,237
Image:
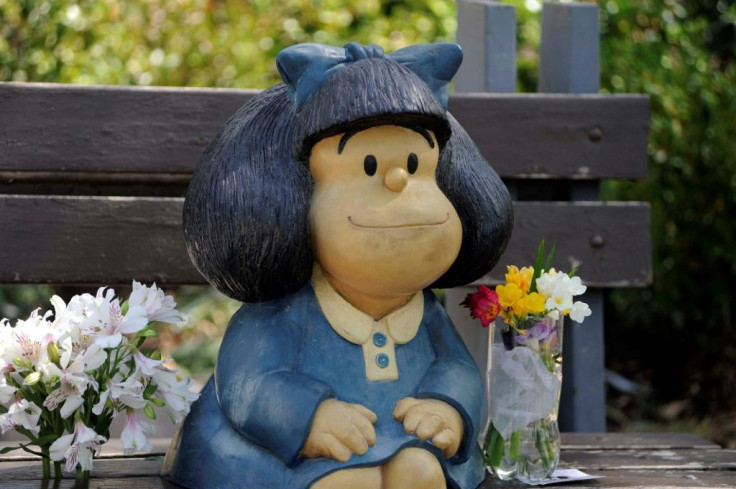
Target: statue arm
x,y
259,388
453,378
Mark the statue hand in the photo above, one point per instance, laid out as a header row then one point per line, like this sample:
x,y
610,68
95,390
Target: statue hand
x,y
431,419
340,429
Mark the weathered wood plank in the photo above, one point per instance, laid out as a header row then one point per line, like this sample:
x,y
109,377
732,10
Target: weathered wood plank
x,y
111,449
571,442
112,240
104,240
701,459
634,441
488,37
143,474
48,127
610,242
569,51
542,135
643,479
94,483
103,468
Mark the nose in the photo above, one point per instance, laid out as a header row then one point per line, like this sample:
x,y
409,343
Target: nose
x,y
396,179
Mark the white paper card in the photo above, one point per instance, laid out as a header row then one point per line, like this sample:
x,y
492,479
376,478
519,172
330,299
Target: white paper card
x,y
560,476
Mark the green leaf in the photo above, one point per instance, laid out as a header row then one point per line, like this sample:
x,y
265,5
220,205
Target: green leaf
x,y
550,257
9,449
537,267
147,333
45,440
149,391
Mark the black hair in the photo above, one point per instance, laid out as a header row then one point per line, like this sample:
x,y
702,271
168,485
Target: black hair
x,y
246,213
368,93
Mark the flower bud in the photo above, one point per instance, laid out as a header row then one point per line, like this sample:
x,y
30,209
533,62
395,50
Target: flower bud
x,y
54,356
32,378
23,363
149,411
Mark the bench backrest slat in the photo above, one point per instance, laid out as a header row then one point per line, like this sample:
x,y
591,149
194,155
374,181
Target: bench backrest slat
x,y
77,129
110,240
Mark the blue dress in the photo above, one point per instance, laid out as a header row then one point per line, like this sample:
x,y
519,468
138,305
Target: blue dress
x,y
278,361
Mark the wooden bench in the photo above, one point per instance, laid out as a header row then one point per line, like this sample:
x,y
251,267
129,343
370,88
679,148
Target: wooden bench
x,y
92,178
655,460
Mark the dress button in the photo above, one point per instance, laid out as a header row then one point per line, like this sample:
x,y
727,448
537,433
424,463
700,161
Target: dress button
x,y
379,339
382,360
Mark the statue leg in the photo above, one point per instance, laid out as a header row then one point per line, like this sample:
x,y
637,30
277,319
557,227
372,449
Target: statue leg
x,y
363,478
413,468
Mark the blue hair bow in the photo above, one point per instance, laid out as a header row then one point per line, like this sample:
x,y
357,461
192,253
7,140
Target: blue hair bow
x,y
305,67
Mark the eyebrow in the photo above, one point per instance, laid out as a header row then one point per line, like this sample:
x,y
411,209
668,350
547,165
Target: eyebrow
x,y
344,140
418,129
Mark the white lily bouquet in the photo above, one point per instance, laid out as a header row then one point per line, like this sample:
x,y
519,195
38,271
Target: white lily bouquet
x,y
65,376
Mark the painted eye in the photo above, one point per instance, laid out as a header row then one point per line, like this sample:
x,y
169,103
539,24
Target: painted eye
x,y
412,163
369,165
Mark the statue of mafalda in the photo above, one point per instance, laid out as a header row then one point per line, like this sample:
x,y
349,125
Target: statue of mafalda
x,y
330,204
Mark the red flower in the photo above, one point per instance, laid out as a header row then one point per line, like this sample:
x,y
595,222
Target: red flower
x,y
483,305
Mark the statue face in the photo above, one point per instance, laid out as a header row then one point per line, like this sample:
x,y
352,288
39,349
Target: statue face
x,y
379,222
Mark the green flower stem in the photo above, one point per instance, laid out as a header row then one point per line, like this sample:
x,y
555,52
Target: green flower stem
x,y
541,441
515,446
57,470
46,462
82,475
547,441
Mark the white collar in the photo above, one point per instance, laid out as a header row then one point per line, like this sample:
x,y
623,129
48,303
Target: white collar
x,y
355,325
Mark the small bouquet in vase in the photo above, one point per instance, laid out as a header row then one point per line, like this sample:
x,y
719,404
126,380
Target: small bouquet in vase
x,y
524,372
64,376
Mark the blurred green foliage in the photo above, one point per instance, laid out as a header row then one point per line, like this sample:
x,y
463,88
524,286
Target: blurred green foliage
x,y
681,53
224,43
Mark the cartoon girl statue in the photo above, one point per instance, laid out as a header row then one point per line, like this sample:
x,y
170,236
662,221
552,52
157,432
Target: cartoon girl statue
x,y
330,205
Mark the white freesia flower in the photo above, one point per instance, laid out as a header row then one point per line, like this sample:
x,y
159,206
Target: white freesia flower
x,y
561,298
580,311
22,413
554,314
133,436
106,323
158,307
546,283
78,447
575,285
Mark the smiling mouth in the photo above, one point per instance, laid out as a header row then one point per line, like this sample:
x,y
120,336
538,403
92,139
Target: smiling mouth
x,y
398,226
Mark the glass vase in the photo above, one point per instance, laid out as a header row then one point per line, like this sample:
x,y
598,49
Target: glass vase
x,y
524,378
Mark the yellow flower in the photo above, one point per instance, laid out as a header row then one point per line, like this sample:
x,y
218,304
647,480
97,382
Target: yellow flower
x,y
522,278
534,303
508,294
